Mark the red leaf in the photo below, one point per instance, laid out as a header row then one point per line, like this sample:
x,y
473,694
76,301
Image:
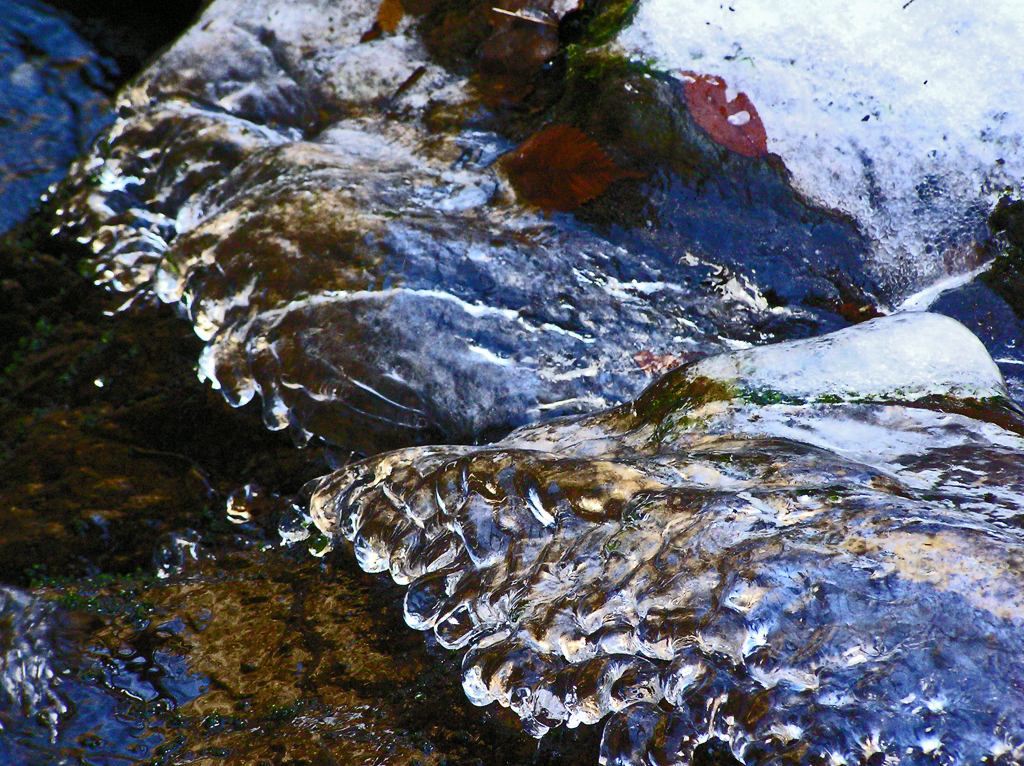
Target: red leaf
x,y
655,364
560,168
389,14
733,124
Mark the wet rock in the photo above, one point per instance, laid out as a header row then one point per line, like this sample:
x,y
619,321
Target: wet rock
x,y
92,479
989,317
805,551
772,555
991,305
54,99
250,656
700,197
1007,274
108,439
66,694
329,215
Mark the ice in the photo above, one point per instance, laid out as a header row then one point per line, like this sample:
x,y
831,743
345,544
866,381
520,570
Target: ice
x,y
28,684
729,558
770,550
936,355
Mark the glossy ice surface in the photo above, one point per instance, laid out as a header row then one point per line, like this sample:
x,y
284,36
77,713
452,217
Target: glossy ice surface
x,y
752,551
320,208
810,552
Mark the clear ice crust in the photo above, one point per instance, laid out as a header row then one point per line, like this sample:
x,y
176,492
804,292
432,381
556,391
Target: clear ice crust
x,y
282,184
811,552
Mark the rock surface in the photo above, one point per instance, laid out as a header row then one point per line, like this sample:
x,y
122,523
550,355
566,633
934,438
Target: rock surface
x,y
54,99
322,207
152,535
803,552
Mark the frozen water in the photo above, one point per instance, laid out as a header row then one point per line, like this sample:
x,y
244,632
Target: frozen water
x,y
315,241
745,553
936,356
29,687
785,548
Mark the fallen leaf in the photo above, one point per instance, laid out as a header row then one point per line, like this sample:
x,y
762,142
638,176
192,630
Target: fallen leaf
x,y
855,313
560,168
656,364
389,15
734,124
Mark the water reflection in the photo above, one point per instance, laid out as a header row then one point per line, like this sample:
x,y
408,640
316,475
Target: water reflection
x,y
71,698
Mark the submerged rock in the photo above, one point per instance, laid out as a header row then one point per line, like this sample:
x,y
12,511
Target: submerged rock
x,y
811,552
54,98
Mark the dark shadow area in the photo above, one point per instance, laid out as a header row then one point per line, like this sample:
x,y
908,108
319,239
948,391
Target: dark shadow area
x,y
130,32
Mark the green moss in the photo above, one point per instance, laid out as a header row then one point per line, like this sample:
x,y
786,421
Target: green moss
x,y
279,713
669,402
1006,277
607,19
766,396
595,66
109,596
830,399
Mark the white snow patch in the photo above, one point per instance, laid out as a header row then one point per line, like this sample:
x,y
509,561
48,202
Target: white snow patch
x,y
908,118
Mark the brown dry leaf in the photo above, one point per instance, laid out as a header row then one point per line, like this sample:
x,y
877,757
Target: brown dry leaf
x,y
560,168
389,15
734,124
855,312
656,364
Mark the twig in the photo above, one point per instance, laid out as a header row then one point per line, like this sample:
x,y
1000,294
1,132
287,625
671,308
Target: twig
x,y
524,17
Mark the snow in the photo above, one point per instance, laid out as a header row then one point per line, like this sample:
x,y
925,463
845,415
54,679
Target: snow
x,y
901,357
908,118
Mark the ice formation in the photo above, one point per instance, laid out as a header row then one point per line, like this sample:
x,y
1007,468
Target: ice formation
x,y
809,551
905,115
746,553
315,240
29,687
